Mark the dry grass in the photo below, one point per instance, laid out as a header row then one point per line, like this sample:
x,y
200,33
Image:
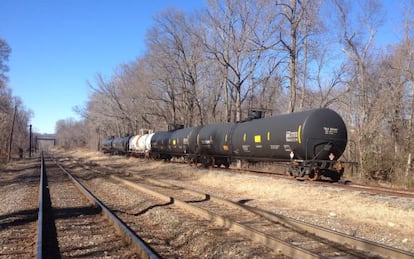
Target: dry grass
x,y
322,201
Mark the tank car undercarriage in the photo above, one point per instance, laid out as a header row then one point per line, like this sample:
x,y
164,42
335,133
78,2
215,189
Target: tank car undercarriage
x,y
315,170
212,161
299,169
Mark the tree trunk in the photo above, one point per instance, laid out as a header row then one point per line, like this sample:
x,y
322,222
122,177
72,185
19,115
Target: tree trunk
x,y
408,168
292,61
11,134
409,138
238,103
305,69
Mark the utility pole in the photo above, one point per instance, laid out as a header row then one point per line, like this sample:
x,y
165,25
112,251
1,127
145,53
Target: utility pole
x,y
11,134
30,141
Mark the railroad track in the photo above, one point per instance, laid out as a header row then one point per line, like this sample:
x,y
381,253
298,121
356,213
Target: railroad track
x,y
74,223
354,247
381,190
287,236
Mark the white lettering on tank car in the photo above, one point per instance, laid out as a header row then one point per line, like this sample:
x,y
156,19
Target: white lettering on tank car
x,y
274,146
330,131
291,136
246,148
206,141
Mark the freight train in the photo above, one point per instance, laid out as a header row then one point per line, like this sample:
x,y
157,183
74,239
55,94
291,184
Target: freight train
x,y
311,141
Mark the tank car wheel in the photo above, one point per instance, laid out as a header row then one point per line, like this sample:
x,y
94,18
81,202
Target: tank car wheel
x,y
226,165
206,161
290,172
335,176
314,175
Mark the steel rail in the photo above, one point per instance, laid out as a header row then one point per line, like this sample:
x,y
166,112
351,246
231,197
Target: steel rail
x,y
274,243
358,243
39,245
142,248
378,189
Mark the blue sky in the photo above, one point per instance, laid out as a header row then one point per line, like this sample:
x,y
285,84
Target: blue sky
x,y
58,45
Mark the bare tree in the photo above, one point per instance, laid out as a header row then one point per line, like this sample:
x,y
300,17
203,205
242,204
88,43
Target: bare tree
x,y
311,45
299,16
408,69
13,116
233,37
332,83
71,133
4,56
120,99
399,74
178,52
358,46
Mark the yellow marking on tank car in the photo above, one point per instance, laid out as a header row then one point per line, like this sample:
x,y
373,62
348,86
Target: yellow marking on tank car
x,y
174,142
225,138
225,148
299,133
244,137
268,136
257,139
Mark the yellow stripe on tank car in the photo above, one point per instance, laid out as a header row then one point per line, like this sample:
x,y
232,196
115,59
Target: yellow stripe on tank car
x,y
268,136
299,134
244,137
257,139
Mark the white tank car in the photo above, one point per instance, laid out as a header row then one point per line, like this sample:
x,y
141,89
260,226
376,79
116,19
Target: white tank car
x,y
133,143
145,143
140,145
